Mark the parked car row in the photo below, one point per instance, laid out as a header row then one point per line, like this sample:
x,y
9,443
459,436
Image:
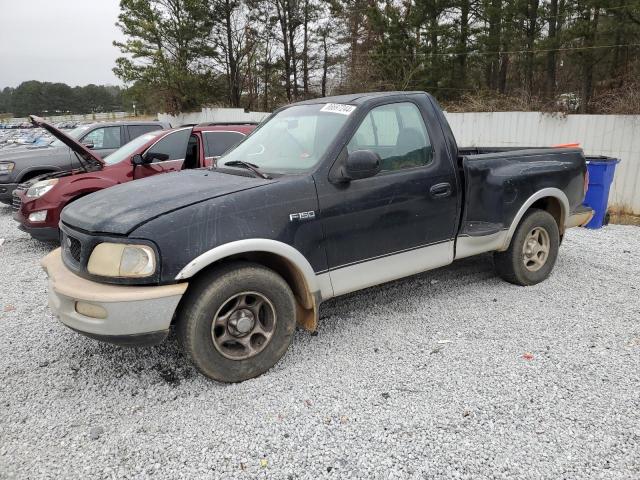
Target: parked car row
x,y
21,135
10,139
15,125
39,201
67,124
103,138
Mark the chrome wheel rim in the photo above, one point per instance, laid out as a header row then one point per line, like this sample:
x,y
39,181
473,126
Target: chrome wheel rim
x,y
535,250
243,326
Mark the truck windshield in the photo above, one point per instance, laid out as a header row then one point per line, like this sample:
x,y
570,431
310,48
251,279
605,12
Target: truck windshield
x,y
128,149
292,141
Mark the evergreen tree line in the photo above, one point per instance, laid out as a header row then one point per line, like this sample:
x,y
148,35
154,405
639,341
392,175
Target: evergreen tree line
x,y
44,98
481,54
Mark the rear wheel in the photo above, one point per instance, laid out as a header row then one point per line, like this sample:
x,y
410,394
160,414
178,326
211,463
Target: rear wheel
x,y
237,321
533,250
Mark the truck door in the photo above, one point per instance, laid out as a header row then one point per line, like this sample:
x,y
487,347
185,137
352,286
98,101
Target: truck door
x,y
400,221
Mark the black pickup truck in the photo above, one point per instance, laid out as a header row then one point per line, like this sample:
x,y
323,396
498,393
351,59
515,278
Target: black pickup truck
x,y
326,197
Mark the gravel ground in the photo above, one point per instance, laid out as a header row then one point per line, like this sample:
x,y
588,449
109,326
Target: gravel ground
x,y
449,374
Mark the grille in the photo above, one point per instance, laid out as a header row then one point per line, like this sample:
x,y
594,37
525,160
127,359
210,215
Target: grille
x,y
16,203
74,247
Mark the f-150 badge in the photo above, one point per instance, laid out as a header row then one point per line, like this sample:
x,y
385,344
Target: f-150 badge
x,y
302,216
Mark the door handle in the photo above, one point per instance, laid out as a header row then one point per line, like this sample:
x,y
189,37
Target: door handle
x,y
440,190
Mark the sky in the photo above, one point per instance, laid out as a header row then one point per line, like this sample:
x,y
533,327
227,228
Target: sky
x,y
66,41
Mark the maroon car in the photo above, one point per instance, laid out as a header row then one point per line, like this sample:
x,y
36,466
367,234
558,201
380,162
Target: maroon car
x,y
38,202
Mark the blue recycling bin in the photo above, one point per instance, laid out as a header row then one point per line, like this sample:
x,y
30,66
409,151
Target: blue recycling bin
x,y
601,170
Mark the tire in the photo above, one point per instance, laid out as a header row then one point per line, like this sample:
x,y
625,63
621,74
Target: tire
x,y
519,264
255,317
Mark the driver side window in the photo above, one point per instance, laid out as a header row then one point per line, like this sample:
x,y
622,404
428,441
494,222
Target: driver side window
x,y
397,133
174,145
103,138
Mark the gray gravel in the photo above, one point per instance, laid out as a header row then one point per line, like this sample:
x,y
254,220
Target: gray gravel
x,y
449,374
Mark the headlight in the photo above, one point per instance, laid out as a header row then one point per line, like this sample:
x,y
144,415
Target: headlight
x,y
6,167
40,216
38,189
122,260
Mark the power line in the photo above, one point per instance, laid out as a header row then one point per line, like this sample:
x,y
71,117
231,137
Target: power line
x,y
382,10
478,27
411,35
505,52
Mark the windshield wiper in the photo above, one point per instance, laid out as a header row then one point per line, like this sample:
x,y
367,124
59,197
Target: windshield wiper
x,y
254,168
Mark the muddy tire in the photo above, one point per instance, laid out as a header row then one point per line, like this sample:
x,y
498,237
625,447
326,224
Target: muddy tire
x,y
236,322
533,250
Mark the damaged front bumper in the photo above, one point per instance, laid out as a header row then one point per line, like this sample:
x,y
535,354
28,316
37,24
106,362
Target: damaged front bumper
x,y
129,315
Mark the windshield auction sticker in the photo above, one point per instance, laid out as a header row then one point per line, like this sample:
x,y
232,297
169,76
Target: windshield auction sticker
x,y
338,108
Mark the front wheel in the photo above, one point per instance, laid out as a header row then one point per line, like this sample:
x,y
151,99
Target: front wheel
x,y
237,321
533,250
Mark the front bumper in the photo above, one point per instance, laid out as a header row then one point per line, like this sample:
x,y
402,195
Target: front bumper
x,y
6,192
132,314
43,234
45,231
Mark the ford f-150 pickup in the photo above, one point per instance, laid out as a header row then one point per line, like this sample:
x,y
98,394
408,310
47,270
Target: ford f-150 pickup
x,y
326,197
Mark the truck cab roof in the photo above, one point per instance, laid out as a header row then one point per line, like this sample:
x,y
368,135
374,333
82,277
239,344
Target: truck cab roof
x,y
358,98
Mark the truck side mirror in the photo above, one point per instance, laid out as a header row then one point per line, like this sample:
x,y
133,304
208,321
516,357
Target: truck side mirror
x,y
362,164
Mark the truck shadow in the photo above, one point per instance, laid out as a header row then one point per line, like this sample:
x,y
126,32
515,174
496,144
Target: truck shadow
x,y
417,288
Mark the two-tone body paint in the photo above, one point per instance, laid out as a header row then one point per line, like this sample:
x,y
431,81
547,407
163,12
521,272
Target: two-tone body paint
x,y
389,214
361,233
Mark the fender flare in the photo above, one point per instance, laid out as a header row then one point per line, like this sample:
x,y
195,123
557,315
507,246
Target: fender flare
x,y
253,245
540,194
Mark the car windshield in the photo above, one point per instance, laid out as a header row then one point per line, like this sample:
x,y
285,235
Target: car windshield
x,y
75,134
293,140
128,149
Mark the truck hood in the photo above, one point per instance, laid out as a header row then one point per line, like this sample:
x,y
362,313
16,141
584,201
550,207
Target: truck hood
x,y
87,155
122,208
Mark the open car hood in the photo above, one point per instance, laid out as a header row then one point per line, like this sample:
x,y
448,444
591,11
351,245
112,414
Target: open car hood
x,y
85,154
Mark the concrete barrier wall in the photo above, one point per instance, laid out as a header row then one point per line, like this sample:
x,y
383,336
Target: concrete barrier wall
x,y
212,115
611,135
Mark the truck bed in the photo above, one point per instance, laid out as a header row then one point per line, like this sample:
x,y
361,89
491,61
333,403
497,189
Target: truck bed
x,y
498,181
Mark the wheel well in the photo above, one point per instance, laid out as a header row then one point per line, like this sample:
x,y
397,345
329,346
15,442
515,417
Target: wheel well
x,y
554,207
33,173
306,304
